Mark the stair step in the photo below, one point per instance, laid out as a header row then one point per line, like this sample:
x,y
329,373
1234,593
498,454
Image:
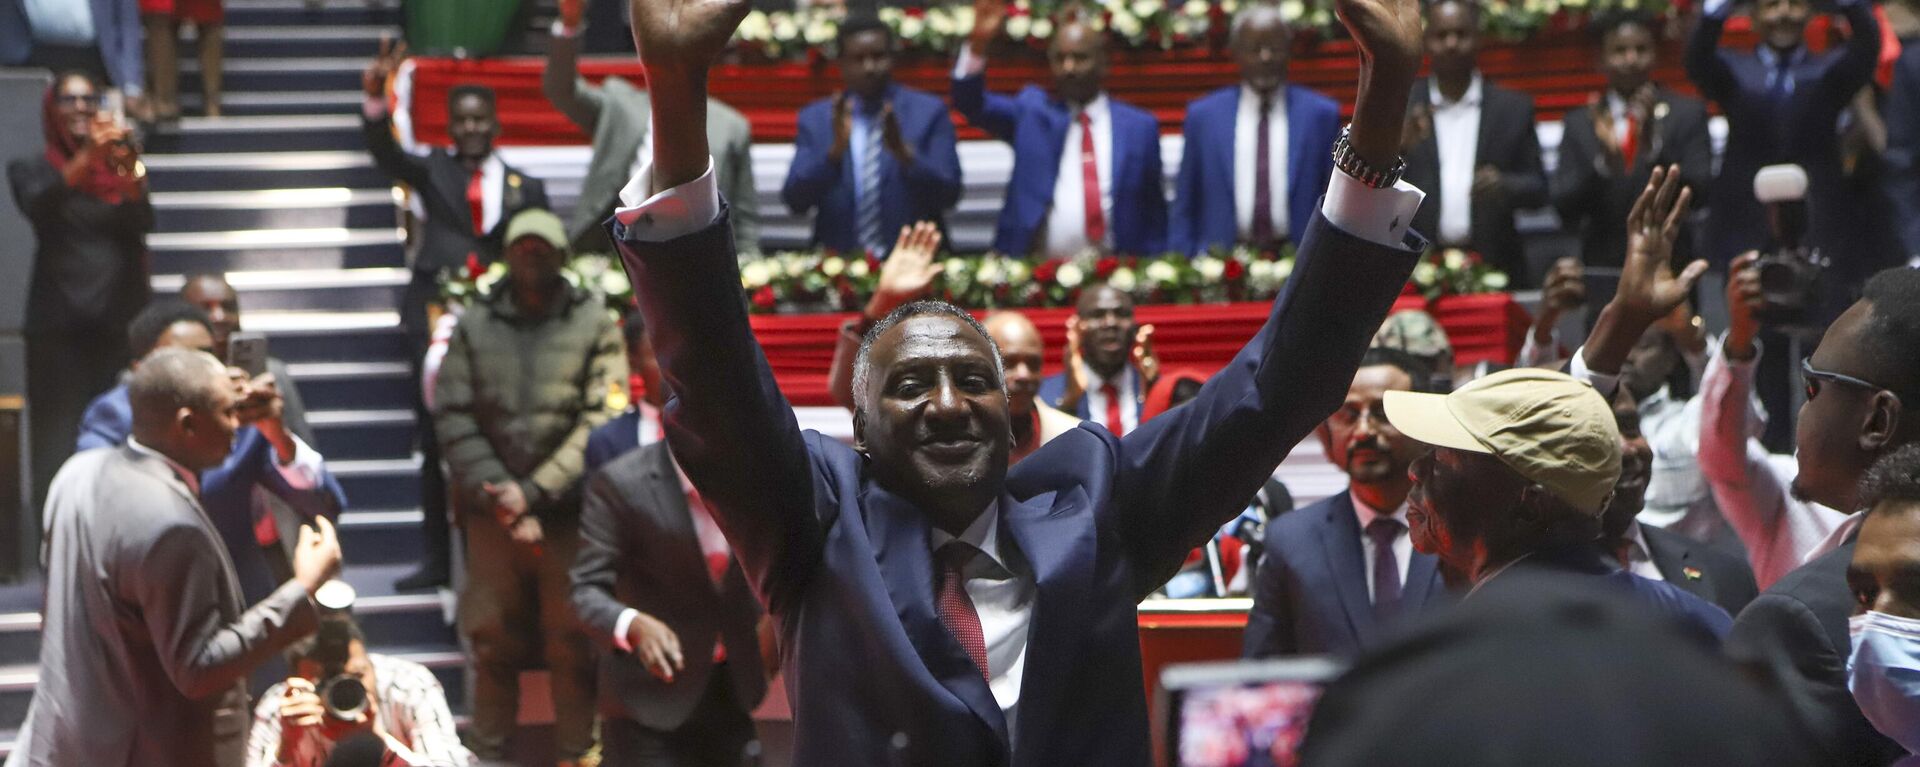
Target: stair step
x,y
381,537
347,385
327,207
233,171
260,133
380,483
349,338
307,40
345,101
245,13
306,73
363,434
257,250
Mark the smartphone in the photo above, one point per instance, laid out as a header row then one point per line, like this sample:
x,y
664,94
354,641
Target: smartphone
x,y
114,105
1240,713
248,352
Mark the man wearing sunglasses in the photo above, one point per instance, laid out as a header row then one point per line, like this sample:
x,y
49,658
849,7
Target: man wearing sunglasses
x,y
1861,381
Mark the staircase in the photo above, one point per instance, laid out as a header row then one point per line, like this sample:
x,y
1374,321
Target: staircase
x,y
281,196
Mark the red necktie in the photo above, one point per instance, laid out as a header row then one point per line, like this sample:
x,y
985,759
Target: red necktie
x,y
477,203
1630,143
1262,228
956,608
1114,423
1090,184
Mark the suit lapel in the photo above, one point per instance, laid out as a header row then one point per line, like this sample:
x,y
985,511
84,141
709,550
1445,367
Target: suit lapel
x,y
1672,556
1489,119
1058,544
676,518
1341,538
1423,574
454,178
900,539
1298,149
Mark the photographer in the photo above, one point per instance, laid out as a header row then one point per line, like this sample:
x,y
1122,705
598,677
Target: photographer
x,y
299,721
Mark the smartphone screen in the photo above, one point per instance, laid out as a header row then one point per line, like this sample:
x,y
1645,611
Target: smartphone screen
x,y
248,352
1242,714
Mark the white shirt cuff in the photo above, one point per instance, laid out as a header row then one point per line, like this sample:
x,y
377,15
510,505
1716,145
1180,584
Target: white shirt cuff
x,y
374,107
1714,7
1605,383
1379,216
620,627
968,64
674,213
560,29
303,473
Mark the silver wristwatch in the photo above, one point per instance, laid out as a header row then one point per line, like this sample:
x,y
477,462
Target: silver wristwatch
x,y
1350,163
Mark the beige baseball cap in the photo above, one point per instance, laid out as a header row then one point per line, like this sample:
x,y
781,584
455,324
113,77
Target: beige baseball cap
x,y
537,222
1549,427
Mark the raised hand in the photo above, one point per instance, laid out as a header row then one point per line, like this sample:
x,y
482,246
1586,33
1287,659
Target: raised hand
x,y
681,37
1648,287
909,271
988,15
1144,357
572,13
1078,374
1387,32
891,138
1744,298
384,64
842,127
316,556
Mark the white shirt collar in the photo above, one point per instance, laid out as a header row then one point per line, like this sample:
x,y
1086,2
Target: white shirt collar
x,y
1367,514
1251,98
1469,99
983,534
1096,109
190,479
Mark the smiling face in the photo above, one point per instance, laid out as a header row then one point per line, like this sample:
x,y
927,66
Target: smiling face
x,y
935,420
215,297
1358,439
1078,59
866,63
75,102
472,125
1636,469
1626,57
1782,24
1106,329
1021,355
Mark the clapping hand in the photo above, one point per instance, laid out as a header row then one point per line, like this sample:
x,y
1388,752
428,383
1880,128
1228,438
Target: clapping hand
x,y
384,64
1144,357
891,138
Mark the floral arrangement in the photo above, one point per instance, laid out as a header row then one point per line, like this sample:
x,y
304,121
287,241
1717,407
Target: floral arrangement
x,y
820,281
1134,24
596,272
1453,272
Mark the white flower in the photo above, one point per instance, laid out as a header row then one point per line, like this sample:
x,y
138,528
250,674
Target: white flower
x,y
1283,269
755,274
1147,8
910,27
1124,280
1069,276
1292,10
1260,271
1494,281
1321,17
889,14
755,27
1424,273
783,26
1018,27
991,273
796,266
833,266
1195,8
820,30
1455,259
1161,273
1230,7
955,268
940,22
859,268
1126,24
963,18
613,282
1017,270
1573,3
1210,268
1043,28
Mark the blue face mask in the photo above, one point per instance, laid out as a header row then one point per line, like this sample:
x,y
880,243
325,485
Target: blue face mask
x,y
1884,674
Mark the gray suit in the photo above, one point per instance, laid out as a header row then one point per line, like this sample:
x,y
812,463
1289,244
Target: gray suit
x,y
146,644
621,117
638,549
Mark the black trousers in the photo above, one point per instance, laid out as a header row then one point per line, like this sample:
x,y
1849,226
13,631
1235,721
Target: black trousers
x,y
716,734
438,533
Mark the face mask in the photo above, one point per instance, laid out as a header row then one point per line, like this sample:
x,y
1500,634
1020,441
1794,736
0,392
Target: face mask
x,y
1884,674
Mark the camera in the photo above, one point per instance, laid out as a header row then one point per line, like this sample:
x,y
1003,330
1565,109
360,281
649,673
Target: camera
x,y
1791,273
341,691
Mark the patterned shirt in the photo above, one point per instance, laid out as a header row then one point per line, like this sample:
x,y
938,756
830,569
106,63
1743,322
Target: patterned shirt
x,y
413,709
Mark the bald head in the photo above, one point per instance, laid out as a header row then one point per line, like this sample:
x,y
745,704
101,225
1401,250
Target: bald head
x,y
184,406
1078,58
1022,353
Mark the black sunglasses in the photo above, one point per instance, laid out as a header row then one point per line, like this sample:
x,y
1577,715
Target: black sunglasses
x,y
1815,378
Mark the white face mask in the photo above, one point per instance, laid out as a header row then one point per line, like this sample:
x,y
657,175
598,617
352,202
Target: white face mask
x,y
1884,674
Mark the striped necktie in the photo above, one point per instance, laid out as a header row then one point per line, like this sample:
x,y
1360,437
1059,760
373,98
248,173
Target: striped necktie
x,y
867,206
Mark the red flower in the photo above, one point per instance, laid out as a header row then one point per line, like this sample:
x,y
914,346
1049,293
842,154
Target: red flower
x,y
1046,271
915,13
763,298
1105,267
1234,270
474,269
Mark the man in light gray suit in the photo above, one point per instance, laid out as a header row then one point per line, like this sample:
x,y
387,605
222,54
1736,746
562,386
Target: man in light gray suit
x,y
147,644
616,115
657,589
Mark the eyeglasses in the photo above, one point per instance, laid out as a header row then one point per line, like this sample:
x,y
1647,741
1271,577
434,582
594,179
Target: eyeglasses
x,y
1815,378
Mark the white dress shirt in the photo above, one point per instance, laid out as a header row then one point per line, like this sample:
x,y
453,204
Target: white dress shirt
x,y
1245,148
1456,132
1122,383
1402,543
1002,589
649,424
1067,219
493,173
1639,557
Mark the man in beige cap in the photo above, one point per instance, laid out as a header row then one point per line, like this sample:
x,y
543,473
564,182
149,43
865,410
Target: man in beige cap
x,y
1523,464
527,376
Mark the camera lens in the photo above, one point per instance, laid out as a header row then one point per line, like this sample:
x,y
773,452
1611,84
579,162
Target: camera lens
x,y
345,696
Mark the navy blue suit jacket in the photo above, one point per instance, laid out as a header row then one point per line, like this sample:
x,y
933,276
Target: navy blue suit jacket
x,y
1036,124
1310,594
922,190
1204,214
1799,129
1053,389
1903,145
612,439
843,564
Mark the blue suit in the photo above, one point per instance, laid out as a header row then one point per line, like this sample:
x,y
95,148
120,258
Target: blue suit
x,y
1204,214
1310,594
117,32
226,492
612,439
1903,145
843,563
923,190
1053,389
1036,124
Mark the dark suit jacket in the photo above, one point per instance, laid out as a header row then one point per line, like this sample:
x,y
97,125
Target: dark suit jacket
x,y
613,439
1053,389
638,549
147,641
1594,202
1035,123
1902,108
922,190
1311,594
1801,130
1797,630
1204,214
440,181
1718,577
844,564
1508,143
90,256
